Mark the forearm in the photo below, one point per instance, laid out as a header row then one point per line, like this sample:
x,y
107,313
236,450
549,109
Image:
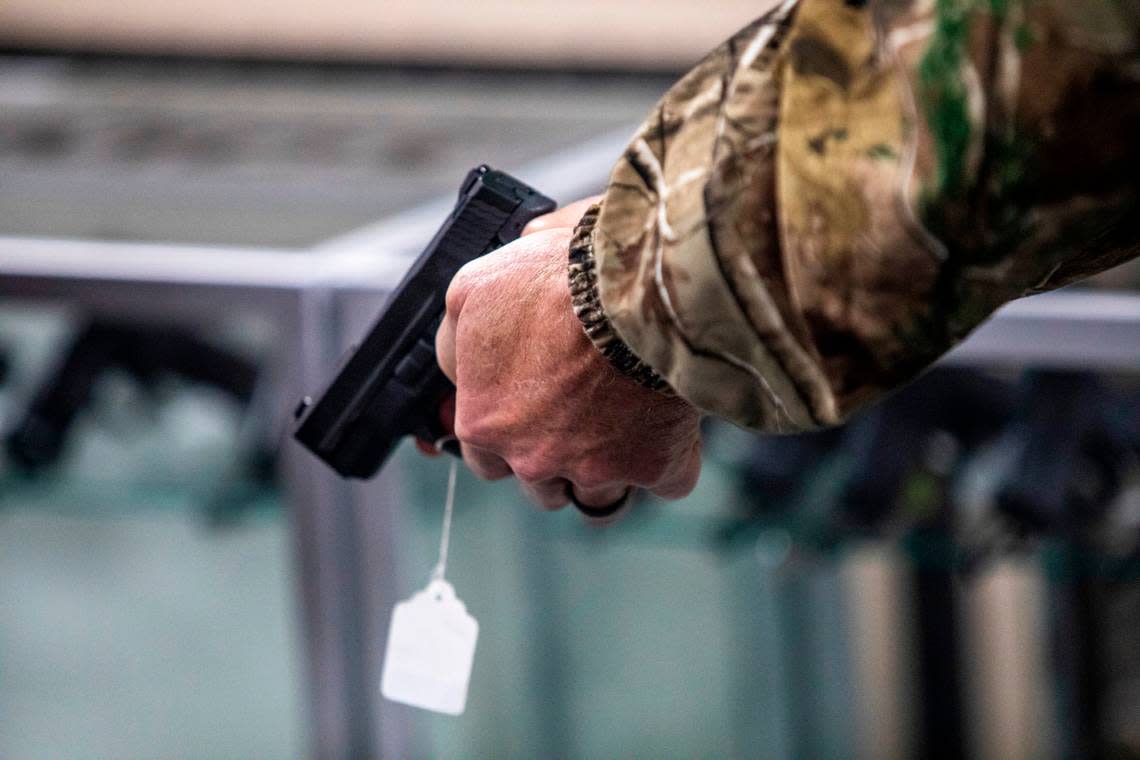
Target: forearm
x,y
838,194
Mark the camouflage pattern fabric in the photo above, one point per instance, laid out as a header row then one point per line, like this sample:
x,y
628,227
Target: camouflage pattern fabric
x,y
843,190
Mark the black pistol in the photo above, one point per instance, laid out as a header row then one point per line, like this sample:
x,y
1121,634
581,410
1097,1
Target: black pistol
x,y
390,386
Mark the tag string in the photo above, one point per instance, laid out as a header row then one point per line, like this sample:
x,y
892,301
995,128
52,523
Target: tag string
x,y
448,507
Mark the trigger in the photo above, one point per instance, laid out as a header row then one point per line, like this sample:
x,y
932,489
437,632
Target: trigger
x,y
448,444
441,429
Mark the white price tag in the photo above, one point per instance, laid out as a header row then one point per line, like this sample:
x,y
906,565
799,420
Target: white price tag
x,y
431,647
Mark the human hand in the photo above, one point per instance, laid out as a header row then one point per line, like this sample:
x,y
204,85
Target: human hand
x,y
537,400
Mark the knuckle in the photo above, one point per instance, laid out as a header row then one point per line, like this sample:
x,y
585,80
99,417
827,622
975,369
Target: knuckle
x,y
686,486
473,433
654,470
486,465
463,429
480,428
681,484
533,469
593,475
547,496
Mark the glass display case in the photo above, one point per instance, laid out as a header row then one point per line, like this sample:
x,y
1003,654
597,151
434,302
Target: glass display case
x,y
948,575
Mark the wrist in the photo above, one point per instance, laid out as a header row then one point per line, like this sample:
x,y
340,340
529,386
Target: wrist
x,y
588,307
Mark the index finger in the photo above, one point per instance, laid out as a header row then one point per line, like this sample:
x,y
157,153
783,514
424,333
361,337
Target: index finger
x,y
454,300
445,345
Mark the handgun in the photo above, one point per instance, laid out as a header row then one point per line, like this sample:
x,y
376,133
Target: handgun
x,y
390,385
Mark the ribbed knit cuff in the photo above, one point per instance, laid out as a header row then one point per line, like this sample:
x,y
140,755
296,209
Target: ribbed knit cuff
x,y
588,307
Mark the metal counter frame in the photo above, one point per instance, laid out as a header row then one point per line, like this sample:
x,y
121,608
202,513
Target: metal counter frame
x,y
317,300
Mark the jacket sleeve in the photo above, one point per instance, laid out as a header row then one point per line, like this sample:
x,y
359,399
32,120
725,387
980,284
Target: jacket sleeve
x,y
843,190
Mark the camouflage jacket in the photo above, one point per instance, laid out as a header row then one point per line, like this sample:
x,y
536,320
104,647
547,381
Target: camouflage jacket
x,y
843,190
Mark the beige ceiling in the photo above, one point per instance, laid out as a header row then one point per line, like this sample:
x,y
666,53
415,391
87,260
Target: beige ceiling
x,y
573,32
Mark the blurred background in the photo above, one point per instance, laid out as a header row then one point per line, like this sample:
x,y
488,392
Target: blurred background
x,y
202,205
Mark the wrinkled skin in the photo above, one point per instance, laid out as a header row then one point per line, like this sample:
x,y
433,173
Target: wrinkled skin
x,y
535,399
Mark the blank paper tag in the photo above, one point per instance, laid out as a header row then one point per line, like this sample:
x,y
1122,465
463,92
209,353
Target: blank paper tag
x,y
431,646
